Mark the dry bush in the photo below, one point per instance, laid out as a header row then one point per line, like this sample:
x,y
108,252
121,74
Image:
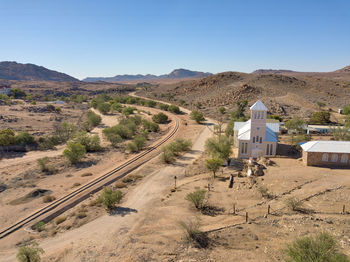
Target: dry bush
x,y
263,190
120,184
194,235
131,178
294,203
81,214
86,174
49,198
197,197
60,220
76,184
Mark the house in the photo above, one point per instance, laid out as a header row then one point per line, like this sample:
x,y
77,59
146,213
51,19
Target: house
x,y
5,90
319,129
326,153
255,137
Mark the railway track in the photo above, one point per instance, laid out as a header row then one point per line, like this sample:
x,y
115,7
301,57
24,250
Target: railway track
x,y
66,202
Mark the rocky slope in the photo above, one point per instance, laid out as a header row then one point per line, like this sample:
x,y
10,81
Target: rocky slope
x,y
18,71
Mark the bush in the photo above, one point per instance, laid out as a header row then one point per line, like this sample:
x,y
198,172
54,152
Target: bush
x,y
60,220
295,123
48,142
93,119
164,107
160,118
39,226
74,152
109,198
129,110
197,197
45,166
197,116
7,137
263,190
48,199
194,234
17,93
30,253
24,138
322,247
219,147
91,143
120,184
140,142
116,107
320,118
276,117
131,147
150,126
167,156
174,149
65,132
150,103
294,203
174,109
81,214
346,110
104,108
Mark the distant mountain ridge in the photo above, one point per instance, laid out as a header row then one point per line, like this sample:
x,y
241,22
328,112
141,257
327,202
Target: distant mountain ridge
x,y
175,74
345,69
17,71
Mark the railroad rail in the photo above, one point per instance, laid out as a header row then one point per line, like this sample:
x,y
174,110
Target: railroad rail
x,y
68,201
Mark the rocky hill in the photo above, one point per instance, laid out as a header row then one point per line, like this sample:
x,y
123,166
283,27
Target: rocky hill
x,y
284,94
18,71
175,74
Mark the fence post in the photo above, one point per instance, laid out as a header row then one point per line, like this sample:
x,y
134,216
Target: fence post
x,y
234,209
343,209
268,209
246,217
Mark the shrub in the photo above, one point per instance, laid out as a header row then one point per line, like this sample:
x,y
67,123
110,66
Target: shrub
x,y
65,132
76,184
276,117
174,149
167,156
39,226
320,118
129,110
183,144
164,107
17,93
7,137
74,152
194,234
346,110
48,142
109,198
93,119
174,109
150,103
60,220
160,118
24,138
294,203
150,126
48,199
197,116
131,147
81,214
263,190
140,142
45,166
197,197
213,164
117,107
322,247
295,123
104,108
120,184
30,253
91,143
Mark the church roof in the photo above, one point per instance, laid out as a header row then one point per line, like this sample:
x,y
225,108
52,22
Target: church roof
x,y
258,106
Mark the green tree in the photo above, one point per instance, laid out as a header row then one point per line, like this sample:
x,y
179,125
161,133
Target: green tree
x,y
129,110
321,248
91,143
17,93
30,253
213,164
7,137
241,107
222,110
197,197
160,118
341,133
320,118
219,147
24,138
164,107
150,103
104,108
140,142
74,152
116,107
65,131
295,123
109,198
346,110
197,116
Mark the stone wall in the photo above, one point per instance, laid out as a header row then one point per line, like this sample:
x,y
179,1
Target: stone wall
x,y
315,159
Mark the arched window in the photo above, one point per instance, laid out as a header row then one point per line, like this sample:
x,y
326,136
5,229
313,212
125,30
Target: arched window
x,y
260,140
267,149
325,157
344,158
246,148
253,139
334,157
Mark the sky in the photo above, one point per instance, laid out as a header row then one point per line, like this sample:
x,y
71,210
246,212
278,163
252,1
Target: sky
x,y
105,38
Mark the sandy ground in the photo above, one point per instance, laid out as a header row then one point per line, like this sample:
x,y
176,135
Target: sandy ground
x,y
101,232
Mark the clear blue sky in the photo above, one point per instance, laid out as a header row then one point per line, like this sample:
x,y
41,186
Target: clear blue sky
x,y
105,38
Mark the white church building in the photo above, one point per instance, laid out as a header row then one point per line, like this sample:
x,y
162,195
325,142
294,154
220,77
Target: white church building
x,y
255,137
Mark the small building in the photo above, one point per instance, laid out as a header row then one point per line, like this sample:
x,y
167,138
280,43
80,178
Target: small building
x,y
255,137
319,129
326,153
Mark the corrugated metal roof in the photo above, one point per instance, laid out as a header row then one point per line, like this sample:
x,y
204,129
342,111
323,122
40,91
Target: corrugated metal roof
x,y
238,125
327,146
258,106
244,134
